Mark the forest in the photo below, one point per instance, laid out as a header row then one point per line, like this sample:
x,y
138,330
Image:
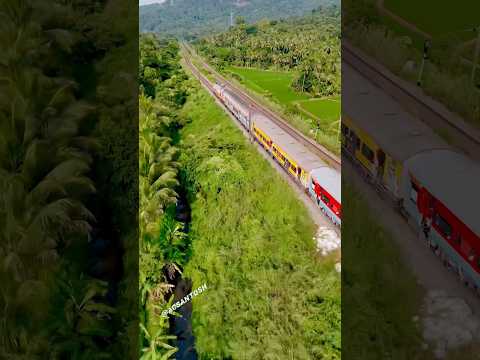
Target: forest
x,y
190,151
308,45
185,19
162,242
68,97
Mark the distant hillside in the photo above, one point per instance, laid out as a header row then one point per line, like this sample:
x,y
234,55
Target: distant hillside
x,y
193,18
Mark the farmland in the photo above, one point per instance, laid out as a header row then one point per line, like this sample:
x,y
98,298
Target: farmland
x,y
437,17
303,111
327,110
274,84
286,63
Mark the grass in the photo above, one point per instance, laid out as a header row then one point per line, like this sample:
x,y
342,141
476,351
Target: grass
x,y
270,83
438,17
327,110
300,110
269,294
380,295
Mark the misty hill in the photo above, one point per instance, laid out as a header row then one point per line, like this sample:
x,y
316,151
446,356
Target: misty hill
x,y
193,18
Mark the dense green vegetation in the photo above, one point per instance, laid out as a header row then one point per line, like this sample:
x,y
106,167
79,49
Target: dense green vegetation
x,y
163,245
380,295
285,62
309,46
253,268
186,19
269,295
59,83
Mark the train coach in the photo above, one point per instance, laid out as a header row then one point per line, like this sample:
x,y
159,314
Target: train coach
x,y
234,104
322,183
435,186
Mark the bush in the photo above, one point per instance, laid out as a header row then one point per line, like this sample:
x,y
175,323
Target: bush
x,y
269,295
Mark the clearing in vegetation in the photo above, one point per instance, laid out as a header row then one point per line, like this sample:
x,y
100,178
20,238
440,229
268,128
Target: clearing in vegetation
x,y
269,293
327,110
274,84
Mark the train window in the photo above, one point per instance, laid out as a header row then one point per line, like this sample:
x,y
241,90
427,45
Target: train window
x,y
458,239
294,168
367,152
325,199
443,225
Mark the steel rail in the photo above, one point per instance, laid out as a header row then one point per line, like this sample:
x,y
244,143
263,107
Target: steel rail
x,y
327,156
468,136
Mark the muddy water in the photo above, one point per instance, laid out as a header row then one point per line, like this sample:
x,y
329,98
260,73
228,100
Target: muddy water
x,y
181,326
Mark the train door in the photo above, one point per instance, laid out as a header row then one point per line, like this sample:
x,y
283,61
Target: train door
x,y
351,140
286,164
390,175
381,164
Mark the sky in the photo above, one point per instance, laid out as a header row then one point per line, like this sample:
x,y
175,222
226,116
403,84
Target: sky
x,y
148,2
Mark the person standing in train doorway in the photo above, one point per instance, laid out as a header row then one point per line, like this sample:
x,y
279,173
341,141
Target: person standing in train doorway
x,y
426,228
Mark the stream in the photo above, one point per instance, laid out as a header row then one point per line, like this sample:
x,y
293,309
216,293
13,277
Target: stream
x,y
181,326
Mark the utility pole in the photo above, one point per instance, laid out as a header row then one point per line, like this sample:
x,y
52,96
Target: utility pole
x,y
231,18
426,47
475,57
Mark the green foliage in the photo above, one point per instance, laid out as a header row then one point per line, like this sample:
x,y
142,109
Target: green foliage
x,y
309,46
164,247
380,295
186,19
268,296
55,98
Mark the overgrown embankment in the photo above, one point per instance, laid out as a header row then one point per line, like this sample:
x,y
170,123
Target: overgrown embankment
x,y
379,293
269,295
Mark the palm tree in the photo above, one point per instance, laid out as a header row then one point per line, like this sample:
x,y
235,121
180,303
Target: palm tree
x,y
44,162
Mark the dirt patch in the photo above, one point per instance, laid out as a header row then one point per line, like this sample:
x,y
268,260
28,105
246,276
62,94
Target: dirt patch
x,y
448,323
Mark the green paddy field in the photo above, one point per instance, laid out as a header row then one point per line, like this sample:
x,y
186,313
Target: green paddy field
x,y
276,85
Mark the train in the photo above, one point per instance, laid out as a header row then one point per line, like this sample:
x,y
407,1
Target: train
x,y
432,184
317,178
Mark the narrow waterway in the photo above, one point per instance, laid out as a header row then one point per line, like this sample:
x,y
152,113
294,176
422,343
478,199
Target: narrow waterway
x,y
181,326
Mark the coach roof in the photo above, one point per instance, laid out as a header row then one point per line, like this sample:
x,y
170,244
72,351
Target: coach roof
x,y
398,133
453,179
235,99
329,179
304,157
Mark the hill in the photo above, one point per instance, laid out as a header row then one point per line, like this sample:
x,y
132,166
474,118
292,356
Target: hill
x,y
187,19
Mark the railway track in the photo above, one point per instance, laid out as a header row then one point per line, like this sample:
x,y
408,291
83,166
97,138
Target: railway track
x,y
327,156
320,220
461,134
